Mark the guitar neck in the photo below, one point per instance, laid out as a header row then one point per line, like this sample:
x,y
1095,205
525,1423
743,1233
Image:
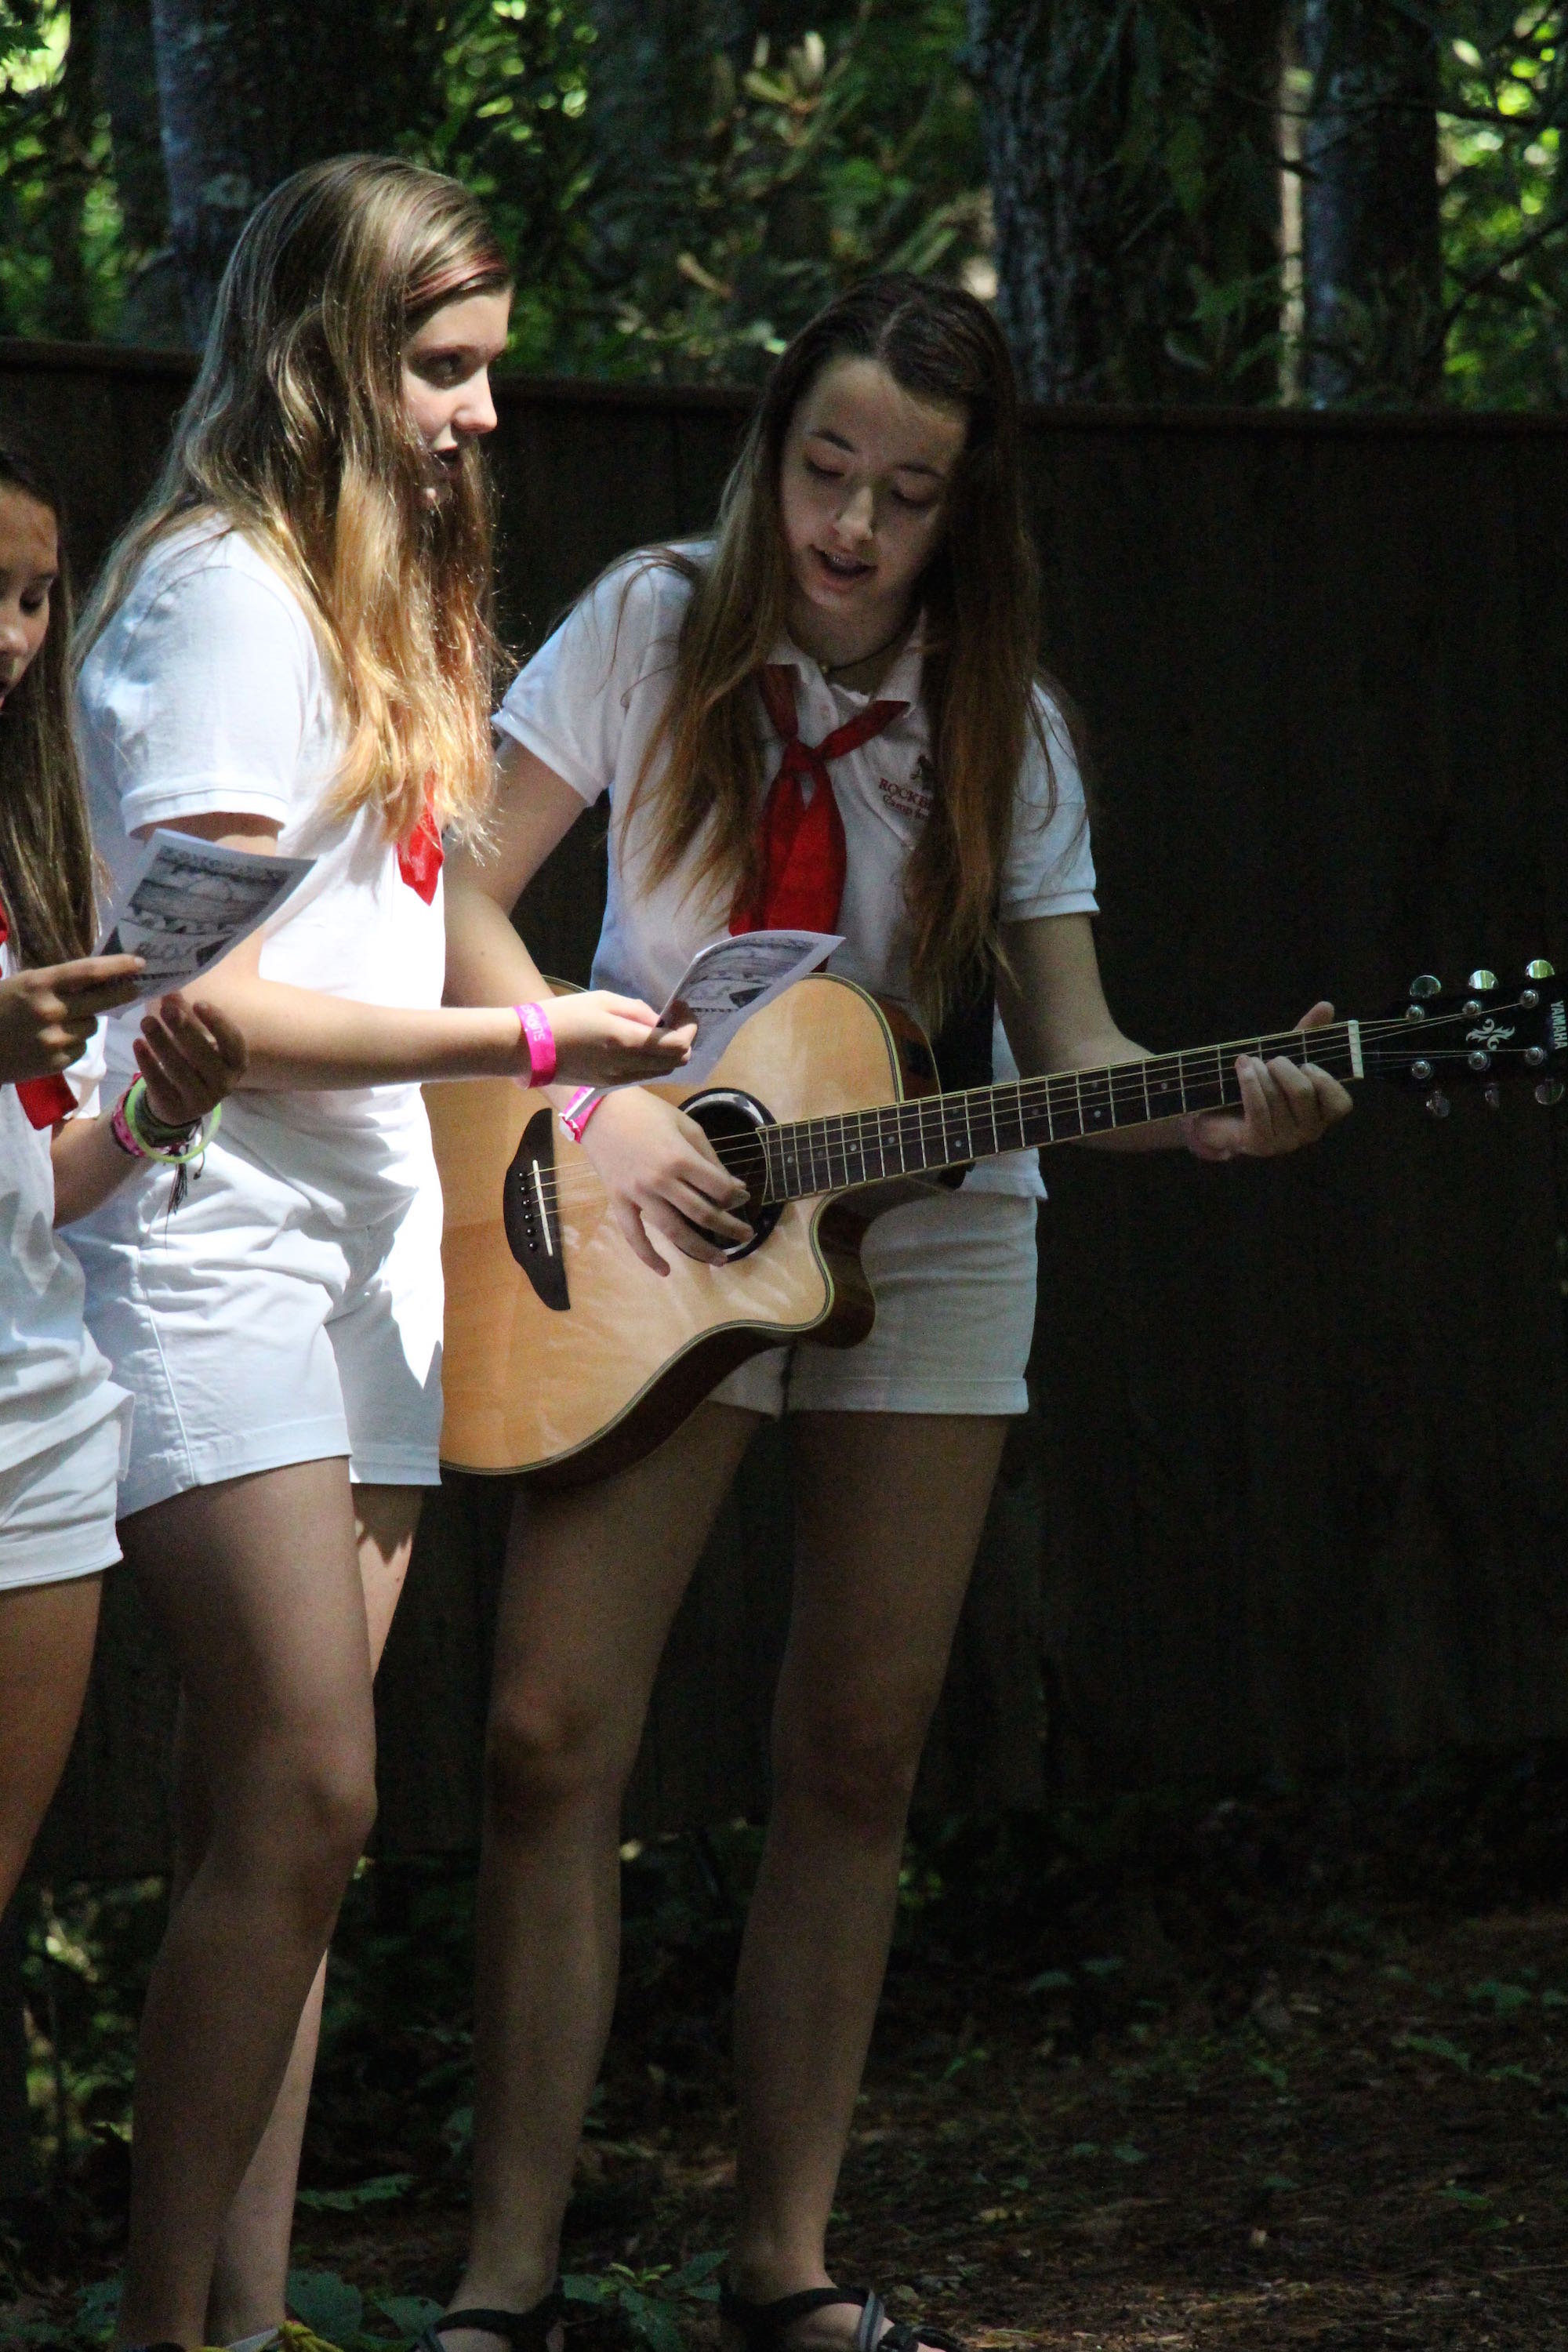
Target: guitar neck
x,y
833,1154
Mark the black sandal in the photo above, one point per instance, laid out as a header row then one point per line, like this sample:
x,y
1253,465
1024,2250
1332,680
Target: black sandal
x,y
762,2324
525,2331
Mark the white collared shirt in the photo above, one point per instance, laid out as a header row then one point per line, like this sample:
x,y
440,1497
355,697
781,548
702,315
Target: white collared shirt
x,y
207,693
586,706
54,1383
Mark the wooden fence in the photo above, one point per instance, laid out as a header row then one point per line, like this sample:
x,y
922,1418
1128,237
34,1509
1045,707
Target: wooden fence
x,y
1294,1490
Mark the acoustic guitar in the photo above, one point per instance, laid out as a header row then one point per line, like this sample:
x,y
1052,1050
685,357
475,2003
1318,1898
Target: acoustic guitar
x,y
566,1358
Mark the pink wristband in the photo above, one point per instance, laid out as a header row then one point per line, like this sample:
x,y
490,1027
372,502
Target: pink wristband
x,y
540,1042
579,1110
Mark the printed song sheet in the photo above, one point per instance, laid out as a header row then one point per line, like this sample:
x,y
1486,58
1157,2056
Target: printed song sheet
x,y
188,902
725,983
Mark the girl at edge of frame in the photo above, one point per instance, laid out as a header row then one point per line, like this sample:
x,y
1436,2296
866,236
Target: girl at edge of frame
x,y
290,650
872,548
64,1423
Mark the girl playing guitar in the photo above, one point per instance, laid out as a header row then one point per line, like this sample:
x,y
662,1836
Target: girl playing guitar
x,y
828,716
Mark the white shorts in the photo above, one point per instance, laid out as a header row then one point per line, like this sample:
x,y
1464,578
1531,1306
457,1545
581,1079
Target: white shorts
x,y
57,1509
263,1322
953,1278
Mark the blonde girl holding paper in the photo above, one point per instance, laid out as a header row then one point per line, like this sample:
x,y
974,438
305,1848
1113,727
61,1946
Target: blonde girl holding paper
x,y
290,649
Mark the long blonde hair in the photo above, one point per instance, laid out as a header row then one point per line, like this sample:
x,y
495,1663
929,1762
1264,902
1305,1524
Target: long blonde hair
x,y
980,598
296,433
46,850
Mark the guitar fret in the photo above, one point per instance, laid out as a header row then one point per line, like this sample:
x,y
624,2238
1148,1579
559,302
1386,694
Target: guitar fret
x,y
772,1177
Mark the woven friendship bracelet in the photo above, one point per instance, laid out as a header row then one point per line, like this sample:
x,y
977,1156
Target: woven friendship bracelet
x,y
136,1130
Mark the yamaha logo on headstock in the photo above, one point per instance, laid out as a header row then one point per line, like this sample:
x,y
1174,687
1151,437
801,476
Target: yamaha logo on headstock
x,y
1490,1035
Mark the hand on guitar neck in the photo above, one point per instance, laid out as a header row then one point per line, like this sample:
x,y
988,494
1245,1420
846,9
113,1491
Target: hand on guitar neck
x,y
1284,1105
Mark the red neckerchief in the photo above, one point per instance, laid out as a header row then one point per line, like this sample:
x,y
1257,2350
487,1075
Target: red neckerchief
x,y
419,858
804,856
46,1101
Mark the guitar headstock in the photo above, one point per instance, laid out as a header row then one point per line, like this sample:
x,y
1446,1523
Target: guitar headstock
x,y
1481,1038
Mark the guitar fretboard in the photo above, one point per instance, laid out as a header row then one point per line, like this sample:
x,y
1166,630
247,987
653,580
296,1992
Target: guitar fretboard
x,y
831,1154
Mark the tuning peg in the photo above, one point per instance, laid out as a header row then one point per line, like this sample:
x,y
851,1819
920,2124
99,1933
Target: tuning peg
x,y
1421,1071
1482,980
1478,1060
1540,969
1548,1091
1437,1103
1425,984
1534,1055
1492,1096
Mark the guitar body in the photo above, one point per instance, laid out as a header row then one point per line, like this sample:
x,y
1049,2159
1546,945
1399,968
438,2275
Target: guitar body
x,y
571,1392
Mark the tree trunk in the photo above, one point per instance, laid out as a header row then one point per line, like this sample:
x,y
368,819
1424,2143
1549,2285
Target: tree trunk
x,y
127,77
69,310
250,91
1130,159
1046,147
1371,244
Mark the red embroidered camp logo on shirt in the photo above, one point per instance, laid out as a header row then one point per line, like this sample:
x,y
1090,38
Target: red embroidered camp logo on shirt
x,y
913,796
44,1100
419,858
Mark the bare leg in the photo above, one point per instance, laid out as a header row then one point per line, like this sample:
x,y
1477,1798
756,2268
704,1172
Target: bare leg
x,y
47,1633
252,2266
254,1586
593,1583
890,1508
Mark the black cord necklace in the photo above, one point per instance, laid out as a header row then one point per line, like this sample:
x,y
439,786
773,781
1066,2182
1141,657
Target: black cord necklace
x,y
832,669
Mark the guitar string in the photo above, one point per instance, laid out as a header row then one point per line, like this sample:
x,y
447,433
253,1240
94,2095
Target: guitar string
x,y
809,1172
1123,1083
889,1126
924,1118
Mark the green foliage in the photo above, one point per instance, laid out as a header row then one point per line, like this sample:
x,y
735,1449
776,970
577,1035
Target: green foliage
x,y
85,1960
852,152
341,2319
849,153
1505,208
652,2303
797,170
507,96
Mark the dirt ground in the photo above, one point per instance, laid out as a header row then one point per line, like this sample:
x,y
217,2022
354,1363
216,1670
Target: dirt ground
x,y
1236,2074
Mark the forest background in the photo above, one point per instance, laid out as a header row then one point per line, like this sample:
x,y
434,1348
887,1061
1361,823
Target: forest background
x,y
1223,201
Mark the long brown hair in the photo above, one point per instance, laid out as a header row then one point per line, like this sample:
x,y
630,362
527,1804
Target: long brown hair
x,y
46,850
296,433
980,598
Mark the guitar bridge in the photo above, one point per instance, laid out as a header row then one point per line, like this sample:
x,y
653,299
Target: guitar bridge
x,y
528,1212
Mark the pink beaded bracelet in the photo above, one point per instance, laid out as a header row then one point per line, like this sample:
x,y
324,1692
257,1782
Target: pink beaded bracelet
x,y
540,1044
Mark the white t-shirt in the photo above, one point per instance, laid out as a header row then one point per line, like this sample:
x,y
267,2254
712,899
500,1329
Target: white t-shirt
x,y
207,693
54,1384
587,704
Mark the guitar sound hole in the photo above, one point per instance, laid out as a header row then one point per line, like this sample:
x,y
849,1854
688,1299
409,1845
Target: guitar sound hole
x,y
726,1116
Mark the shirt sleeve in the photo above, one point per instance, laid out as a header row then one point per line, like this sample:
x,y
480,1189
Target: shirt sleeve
x,y
205,702
570,705
1049,868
